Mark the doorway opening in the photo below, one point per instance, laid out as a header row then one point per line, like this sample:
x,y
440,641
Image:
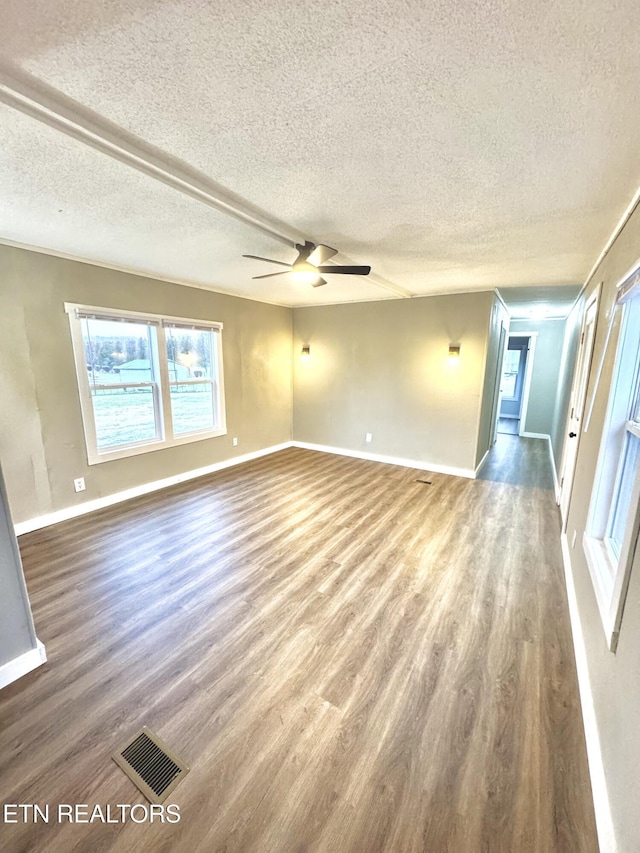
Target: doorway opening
x,y
515,383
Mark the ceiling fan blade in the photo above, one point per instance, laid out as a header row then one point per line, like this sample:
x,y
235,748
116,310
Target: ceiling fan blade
x,y
268,260
344,270
271,274
321,255
318,283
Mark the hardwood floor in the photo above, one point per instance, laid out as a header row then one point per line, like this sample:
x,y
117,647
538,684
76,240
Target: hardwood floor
x,y
519,462
349,660
509,426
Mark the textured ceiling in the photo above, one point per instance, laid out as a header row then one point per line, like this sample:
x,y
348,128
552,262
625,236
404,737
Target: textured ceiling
x,y
452,145
552,301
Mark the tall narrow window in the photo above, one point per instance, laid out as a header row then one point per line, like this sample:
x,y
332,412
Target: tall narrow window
x,y
621,508
614,515
122,382
191,362
146,382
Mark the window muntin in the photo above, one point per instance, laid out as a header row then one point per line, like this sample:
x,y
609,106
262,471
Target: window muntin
x,y
146,382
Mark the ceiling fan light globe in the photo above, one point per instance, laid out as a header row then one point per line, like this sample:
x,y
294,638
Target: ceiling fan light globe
x,y
304,266
305,276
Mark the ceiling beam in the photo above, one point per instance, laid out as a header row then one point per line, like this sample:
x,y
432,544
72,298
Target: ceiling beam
x,y
34,98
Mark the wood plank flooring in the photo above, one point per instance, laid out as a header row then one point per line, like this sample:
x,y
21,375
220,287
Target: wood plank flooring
x,y
508,426
349,660
519,462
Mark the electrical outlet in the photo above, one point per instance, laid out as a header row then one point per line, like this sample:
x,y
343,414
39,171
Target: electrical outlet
x,y
79,485
368,437
235,442
573,538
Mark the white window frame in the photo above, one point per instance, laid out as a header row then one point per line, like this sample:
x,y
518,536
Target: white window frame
x,y
162,384
610,571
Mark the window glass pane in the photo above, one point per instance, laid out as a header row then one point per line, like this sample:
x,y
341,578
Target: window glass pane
x,y
509,384
510,372
117,353
635,410
622,498
512,361
123,415
192,407
190,355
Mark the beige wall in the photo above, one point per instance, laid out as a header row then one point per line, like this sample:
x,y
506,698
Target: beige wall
x,y
41,438
383,368
615,678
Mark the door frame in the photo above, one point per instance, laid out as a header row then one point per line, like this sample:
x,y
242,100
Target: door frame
x,y
533,337
528,373
578,396
503,342
516,401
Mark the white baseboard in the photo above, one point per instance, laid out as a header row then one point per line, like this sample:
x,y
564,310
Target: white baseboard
x,y
534,435
390,460
481,463
16,668
100,503
602,809
144,489
556,484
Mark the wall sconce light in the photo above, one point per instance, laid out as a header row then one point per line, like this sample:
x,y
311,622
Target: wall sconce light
x,y
306,352
454,352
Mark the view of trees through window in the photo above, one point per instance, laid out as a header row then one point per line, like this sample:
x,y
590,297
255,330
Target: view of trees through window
x,y
122,370
189,360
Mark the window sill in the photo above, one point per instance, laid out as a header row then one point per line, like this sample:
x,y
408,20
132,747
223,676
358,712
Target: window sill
x,y
150,446
602,570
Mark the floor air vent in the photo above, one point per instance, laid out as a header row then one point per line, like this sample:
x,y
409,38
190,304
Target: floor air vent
x,y
153,768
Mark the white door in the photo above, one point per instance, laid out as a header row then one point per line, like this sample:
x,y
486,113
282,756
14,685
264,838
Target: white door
x,y
497,389
576,405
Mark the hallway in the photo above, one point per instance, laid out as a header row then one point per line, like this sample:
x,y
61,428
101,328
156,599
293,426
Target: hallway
x,y
519,462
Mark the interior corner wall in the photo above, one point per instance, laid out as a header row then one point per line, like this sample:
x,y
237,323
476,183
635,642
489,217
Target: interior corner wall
x,y
17,633
42,445
567,368
546,370
614,679
383,368
499,319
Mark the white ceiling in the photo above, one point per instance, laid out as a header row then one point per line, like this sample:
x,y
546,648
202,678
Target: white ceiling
x,y
452,145
538,303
